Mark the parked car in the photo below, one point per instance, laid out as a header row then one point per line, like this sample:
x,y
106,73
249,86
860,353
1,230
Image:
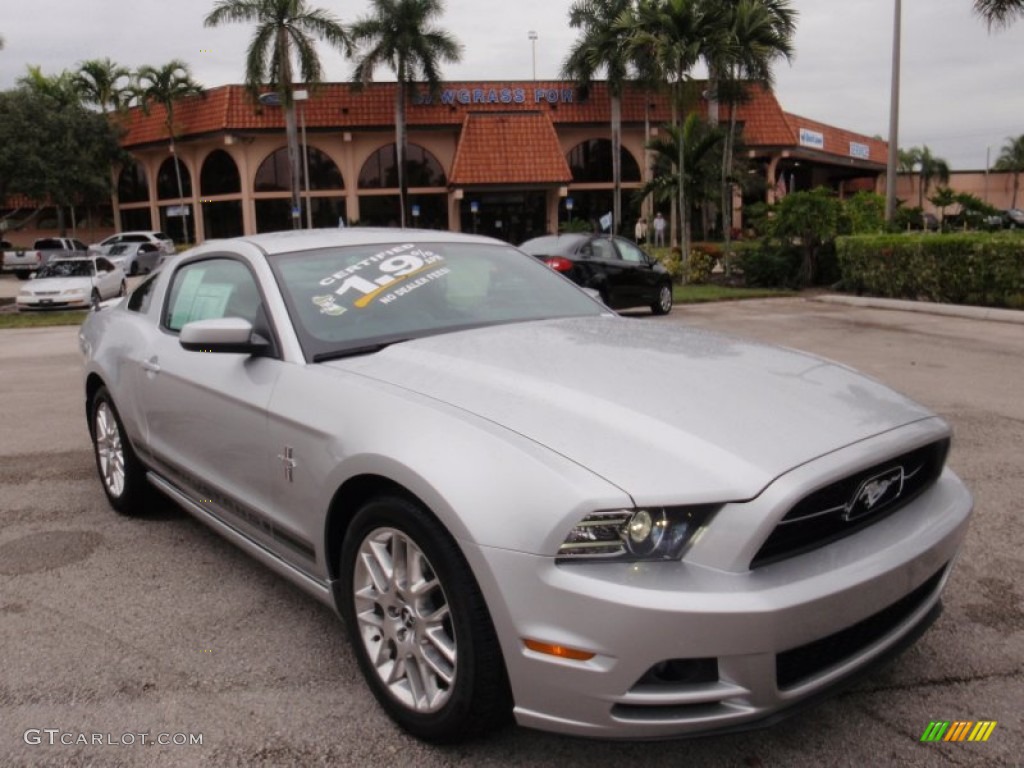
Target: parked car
x,y
161,240
618,269
25,262
519,502
136,257
1013,217
72,283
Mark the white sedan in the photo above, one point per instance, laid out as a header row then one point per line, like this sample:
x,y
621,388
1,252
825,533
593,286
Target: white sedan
x,y
73,283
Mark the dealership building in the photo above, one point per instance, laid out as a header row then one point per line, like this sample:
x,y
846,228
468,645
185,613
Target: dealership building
x,y
506,159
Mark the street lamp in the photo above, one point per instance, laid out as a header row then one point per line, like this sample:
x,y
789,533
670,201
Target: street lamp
x,y
533,44
303,95
273,99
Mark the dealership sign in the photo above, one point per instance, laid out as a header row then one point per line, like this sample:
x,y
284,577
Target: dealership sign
x,y
470,96
809,138
863,151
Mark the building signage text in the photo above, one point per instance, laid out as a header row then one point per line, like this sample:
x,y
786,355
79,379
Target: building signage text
x,y
863,151
809,138
470,96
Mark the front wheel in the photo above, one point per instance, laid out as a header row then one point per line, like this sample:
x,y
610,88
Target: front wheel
x,y
122,475
663,304
419,626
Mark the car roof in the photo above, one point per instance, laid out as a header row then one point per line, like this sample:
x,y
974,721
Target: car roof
x,y
311,239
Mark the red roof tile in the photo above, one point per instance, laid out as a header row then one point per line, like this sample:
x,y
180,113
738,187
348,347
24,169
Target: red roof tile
x,y
509,148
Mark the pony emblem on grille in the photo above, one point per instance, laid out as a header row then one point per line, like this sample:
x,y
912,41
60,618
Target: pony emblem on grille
x,y
875,492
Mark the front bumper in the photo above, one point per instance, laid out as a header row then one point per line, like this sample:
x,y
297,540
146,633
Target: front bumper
x,y
771,638
54,302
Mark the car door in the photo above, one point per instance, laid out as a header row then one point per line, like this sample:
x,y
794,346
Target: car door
x,y
108,281
205,414
606,270
639,272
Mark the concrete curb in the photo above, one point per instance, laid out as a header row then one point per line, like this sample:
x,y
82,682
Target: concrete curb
x,y
927,307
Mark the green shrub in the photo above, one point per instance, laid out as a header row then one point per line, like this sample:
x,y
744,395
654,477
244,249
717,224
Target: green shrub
x,y
696,270
963,268
771,264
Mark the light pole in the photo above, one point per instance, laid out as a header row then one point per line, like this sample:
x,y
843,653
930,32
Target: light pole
x,y
533,44
894,120
273,99
303,96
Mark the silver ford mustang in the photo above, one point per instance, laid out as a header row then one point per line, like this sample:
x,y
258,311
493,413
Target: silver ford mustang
x,y
520,503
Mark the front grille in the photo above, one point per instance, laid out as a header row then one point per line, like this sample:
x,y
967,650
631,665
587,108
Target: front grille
x,y
846,506
794,666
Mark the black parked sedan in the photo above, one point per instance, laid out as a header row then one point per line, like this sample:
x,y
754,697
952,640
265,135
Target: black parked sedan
x,y
618,269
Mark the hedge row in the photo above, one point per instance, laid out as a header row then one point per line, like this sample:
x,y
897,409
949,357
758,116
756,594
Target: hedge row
x,y
969,268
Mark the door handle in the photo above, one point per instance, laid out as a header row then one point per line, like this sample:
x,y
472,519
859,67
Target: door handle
x,y
151,365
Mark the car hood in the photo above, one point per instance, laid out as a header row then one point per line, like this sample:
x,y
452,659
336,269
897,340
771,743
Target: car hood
x,y
666,413
59,284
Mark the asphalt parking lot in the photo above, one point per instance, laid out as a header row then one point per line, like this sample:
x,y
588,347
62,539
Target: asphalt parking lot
x,y
117,626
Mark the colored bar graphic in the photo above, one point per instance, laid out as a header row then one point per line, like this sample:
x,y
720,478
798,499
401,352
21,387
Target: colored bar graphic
x,y
935,731
958,730
982,731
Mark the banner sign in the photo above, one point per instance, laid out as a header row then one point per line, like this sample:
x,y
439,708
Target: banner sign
x,y
809,138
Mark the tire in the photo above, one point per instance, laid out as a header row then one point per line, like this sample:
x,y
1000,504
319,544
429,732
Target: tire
x,y
95,298
121,474
663,304
431,659
123,290
23,275
133,270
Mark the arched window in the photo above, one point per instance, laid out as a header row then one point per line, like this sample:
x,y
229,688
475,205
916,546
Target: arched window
x,y
219,175
131,184
380,171
591,162
167,180
272,175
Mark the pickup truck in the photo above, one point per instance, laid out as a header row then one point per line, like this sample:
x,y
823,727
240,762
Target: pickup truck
x,y
24,262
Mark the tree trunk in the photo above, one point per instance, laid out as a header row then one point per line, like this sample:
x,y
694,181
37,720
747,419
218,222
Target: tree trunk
x,y
403,190
684,234
292,134
616,164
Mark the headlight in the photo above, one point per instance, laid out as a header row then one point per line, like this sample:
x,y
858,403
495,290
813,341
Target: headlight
x,y
660,533
25,293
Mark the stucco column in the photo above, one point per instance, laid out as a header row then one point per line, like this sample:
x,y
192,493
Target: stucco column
x,y
770,179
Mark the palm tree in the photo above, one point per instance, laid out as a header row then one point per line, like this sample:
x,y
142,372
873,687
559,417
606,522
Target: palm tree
x,y
942,199
676,34
602,46
759,33
400,34
61,88
97,81
284,28
929,168
166,85
1011,159
999,13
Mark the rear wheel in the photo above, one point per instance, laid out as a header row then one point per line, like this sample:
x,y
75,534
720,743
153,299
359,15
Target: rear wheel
x,y
122,475
133,269
22,275
418,623
663,304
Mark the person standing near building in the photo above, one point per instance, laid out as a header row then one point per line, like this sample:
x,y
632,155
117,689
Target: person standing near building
x,y
659,230
640,231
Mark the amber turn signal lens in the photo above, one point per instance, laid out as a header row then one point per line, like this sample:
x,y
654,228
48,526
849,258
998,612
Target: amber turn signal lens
x,y
558,650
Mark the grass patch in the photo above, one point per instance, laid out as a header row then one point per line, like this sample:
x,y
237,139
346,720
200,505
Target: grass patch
x,y
41,319
700,294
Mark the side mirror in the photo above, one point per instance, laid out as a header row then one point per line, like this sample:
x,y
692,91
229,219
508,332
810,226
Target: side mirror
x,y
222,334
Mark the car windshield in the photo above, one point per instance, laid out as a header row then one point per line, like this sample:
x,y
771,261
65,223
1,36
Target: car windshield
x,y
67,269
361,298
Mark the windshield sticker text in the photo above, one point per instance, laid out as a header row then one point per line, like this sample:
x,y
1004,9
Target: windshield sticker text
x,y
384,275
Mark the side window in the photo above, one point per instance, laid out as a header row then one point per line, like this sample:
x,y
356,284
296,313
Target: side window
x,y
142,296
103,265
603,249
79,245
210,289
630,252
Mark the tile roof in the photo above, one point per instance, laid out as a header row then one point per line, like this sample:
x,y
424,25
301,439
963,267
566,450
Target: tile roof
x,y
345,106
839,141
509,148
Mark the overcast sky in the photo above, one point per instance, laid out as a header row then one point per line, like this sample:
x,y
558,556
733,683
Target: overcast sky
x,y
962,87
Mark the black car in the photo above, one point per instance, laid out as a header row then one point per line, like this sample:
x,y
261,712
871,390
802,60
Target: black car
x,y
615,267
